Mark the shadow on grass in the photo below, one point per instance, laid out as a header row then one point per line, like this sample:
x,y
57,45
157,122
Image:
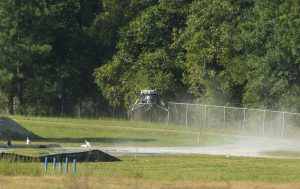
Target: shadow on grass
x,y
101,139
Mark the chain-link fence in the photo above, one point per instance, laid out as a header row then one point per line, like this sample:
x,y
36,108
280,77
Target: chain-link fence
x,y
225,119
185,115
3,111
3,106
89,107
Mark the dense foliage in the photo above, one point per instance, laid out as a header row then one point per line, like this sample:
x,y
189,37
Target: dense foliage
x,y
240,52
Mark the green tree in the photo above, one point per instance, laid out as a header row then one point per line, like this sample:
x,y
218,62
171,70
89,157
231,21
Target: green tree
x,y
23,41
73,56
147,55
270,50
209,42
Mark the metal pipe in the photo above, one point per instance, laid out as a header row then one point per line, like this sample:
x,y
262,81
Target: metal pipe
x,y
205,116
224,118
244,120
54,164
186,114
168,120
283,124
74,166
67,165
264,122
46,164
60,166
253,109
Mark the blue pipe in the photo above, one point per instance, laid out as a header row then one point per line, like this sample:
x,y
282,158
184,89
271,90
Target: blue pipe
x,y
74,166
46,164
60,166
54,164
67,166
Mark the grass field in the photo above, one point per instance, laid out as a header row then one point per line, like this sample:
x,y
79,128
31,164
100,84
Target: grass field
x,y
198,167
188,171
165,171
73,132
70,182
286,154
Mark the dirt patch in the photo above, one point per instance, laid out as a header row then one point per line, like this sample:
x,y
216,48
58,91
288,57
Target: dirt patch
x,y
9,129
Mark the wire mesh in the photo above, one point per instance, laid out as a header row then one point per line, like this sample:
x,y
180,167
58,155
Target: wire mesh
x,y
228,119
187,116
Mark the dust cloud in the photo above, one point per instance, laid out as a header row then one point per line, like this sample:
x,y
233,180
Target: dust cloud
x,y
246,146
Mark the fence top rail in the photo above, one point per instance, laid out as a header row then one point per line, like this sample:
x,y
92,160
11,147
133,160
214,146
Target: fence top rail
x,y
231,107
177,103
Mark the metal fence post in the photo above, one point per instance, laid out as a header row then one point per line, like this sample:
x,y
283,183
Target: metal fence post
x,y
159,117
264,122
205,116
97,104
278,124
244,120
224,118
79,113
186,114
283,124
168,120
197,111
62,107
113,113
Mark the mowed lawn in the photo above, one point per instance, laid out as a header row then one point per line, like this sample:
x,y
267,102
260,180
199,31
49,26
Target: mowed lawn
x,y
206,168
73,132
164,171
184,171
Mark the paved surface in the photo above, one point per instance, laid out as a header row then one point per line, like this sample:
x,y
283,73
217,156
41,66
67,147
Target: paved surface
x,y
245,146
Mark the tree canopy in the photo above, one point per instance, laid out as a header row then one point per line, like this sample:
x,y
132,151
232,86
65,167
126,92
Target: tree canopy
x,y
237,52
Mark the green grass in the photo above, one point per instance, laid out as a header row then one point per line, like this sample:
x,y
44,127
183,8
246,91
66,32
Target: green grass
x,y
100,121
11,167
126,123
198,167
73,132
207,168
171,168
32,152
279,153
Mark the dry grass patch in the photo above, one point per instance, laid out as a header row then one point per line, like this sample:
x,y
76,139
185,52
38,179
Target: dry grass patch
x,y
24,182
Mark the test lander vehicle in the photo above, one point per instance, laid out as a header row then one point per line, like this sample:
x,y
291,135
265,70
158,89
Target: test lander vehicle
x,y
149,99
